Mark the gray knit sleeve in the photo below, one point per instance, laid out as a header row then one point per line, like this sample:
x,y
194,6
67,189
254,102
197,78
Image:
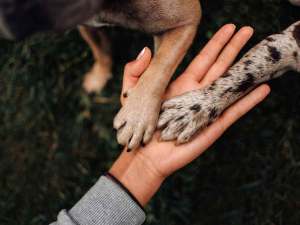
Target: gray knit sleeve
x,y
104,204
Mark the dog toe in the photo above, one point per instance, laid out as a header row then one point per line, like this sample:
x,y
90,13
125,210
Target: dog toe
x,y
136,139
165,117
148,134
119,122
186,135
172,130
125,134
184,115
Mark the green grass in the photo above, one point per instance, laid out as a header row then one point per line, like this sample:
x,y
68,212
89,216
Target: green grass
x,y
51,151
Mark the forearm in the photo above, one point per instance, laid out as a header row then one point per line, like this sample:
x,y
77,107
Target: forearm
x,y
117,198
137,175
106,203
19,19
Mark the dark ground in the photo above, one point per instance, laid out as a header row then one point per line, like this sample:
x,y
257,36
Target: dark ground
x,y
52,151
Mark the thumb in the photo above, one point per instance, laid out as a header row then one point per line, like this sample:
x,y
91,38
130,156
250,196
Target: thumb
x,y
133,70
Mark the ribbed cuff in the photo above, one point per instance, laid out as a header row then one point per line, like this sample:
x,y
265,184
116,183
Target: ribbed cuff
x,y
114,179
105,204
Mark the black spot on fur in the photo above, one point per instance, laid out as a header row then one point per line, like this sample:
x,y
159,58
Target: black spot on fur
x,y
270,39
296,34
272,75
179,118
125,95
295,54
228,90
212,87
274,53
259,67
181,129
213,114
226,75
248,62
269,59
196,108
246,84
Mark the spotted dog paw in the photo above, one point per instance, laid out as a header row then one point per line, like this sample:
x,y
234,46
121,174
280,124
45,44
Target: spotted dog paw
x,y
184,115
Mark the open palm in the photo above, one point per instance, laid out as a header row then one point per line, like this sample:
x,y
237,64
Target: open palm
x,y
164,158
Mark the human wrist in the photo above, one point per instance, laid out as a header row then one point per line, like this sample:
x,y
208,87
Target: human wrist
x,y
139,178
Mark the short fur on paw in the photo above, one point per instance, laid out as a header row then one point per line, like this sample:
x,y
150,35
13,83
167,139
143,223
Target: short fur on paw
x,y
184,115
136,121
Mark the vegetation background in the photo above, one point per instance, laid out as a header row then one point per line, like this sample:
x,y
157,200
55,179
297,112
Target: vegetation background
x,y
55,141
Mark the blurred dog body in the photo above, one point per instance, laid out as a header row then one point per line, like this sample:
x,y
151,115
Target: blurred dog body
x,y
173,24
152,17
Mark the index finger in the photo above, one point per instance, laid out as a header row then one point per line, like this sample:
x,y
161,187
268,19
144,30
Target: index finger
x,y
203,61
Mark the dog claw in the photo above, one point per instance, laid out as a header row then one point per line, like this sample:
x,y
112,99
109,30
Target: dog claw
x,y
184,116
138,119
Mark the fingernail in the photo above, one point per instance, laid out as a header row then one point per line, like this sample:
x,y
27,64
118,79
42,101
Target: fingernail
x,y
141,54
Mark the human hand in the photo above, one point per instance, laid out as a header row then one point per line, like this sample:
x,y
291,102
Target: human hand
x,y
143,170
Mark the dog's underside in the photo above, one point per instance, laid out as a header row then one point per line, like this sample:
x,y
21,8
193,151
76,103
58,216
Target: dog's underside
x,y
173,23
184,115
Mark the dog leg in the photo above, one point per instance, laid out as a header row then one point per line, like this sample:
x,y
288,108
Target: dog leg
x,y
136,121
96,79
184,115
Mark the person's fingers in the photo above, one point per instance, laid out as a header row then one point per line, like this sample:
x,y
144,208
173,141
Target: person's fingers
x,y
201,64
188,152
133,70
228,55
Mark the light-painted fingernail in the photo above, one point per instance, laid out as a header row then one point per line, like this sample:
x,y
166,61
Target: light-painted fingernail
x,y
141,54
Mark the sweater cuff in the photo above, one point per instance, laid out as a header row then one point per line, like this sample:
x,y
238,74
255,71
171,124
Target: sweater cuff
x,y
107,203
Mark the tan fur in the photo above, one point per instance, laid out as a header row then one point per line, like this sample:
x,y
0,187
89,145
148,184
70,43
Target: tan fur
x,y
173,23
96,79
